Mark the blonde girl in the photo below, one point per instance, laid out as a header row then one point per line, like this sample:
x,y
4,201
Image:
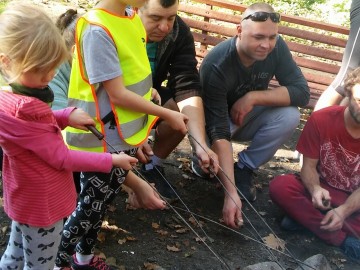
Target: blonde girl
x,y
38,188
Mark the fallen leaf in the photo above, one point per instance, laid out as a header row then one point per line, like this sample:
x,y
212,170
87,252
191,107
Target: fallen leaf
x,y
105,225
162,232
100,254
151,266
198,239
121,241
196,223
4,229
172,248
130,238
155,225
183,230
101,237
274,242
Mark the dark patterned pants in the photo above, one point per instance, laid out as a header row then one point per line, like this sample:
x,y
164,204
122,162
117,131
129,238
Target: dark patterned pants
x,y
32,247
81,228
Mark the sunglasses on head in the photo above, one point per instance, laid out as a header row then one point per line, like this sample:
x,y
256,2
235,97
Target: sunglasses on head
x,y
262,16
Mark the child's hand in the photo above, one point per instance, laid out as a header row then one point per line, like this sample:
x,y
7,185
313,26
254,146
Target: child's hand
x,y
79,119
155,97
177,121
144,153
145,197
123,161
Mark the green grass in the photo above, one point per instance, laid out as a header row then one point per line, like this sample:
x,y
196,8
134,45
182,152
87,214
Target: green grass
x,y
3,4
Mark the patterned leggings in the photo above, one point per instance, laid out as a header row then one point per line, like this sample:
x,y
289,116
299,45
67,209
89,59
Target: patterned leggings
x,y
31,247
81,228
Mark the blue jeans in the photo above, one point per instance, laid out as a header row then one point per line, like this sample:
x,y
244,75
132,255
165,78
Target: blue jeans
x,y
267,128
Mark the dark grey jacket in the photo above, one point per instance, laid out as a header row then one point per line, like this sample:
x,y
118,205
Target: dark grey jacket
x,y
224,80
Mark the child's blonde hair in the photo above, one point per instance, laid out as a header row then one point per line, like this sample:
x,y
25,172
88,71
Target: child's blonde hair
x,y
30,40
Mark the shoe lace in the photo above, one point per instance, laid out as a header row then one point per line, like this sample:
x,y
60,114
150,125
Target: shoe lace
x,y
98,263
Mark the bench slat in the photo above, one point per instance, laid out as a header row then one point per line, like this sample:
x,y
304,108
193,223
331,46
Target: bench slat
x,y
235,19
287,18
316,65
313,51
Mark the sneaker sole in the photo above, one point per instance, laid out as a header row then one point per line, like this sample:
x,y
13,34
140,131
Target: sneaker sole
x,y
204,175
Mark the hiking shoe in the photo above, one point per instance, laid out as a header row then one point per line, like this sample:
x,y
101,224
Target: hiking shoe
x,y
196,168
244,183
95,263
289,224
351,248
156,176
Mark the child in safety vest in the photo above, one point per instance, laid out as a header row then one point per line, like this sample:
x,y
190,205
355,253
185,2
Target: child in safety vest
x,y
111,80
38,188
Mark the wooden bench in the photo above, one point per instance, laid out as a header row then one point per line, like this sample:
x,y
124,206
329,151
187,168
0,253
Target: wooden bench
x,y
317,47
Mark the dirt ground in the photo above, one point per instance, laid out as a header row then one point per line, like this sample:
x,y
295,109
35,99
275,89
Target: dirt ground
x,y
144,239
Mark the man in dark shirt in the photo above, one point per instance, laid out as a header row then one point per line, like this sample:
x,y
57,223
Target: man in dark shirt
x,y
171,51
238,103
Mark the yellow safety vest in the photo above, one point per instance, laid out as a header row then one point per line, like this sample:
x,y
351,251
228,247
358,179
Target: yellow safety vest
x,y
129,37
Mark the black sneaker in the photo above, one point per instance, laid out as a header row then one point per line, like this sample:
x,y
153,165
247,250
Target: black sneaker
x,y
244,182
196,169
289,224
95,263
156,176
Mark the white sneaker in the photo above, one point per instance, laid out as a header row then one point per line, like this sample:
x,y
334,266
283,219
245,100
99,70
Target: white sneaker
x,y
62,268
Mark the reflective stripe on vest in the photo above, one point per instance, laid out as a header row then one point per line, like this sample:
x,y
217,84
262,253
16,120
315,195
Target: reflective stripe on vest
x,y
128,35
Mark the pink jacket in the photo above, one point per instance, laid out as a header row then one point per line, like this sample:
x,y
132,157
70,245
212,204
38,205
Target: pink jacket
x,y
38,187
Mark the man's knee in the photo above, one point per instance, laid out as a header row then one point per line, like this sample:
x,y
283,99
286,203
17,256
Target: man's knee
x,y
279,187
276,185
290,117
